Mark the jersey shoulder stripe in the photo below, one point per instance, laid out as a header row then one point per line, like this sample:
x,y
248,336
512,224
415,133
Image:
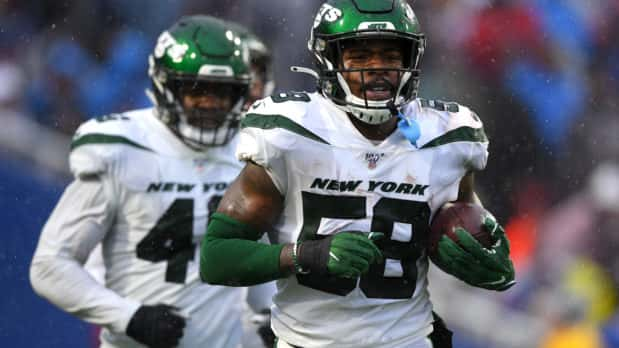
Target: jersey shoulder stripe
x,y
286,118
100,138
261,121
446,122
106,144
125,128
461,134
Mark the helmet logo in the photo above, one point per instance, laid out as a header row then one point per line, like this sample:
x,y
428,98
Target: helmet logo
x,y
327,13
166,43
376,26
409,12
215,70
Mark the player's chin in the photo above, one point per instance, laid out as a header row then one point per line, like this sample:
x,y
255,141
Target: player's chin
x,y
206,123
378,95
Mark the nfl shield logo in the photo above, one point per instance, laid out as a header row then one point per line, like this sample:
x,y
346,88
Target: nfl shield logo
x,y
372,158
199,164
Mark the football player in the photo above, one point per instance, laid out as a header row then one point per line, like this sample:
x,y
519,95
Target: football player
x,y
146,182
348,178
261,64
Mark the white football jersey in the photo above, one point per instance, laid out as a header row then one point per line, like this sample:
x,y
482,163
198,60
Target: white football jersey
x,y
333,180
153,213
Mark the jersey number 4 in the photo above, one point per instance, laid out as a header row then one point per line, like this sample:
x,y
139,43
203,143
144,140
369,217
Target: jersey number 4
x,y
171,239
386,213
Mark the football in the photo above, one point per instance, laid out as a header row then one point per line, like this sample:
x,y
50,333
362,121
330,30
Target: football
x,y
458,214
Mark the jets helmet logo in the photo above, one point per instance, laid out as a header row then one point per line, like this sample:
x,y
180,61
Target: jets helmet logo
x,y
168,44
327,13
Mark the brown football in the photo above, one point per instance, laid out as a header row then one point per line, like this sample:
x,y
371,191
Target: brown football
x,y
458,214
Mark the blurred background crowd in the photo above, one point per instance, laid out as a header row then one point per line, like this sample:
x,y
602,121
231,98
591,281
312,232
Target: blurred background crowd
x,y
542,74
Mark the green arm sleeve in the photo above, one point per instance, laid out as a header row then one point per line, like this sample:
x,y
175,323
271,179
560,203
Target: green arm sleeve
x,y
230,255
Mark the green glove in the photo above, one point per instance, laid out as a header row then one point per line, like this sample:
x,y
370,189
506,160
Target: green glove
x,y
346,254
467,260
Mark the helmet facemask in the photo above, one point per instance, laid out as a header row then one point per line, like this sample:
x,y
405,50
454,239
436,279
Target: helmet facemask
x,y
399,83
198,126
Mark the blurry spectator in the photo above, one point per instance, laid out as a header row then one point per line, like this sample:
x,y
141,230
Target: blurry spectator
x,y
531,202
576,306
502,32
610,332
11,88
15,25
573,336
52,94
573,227
119,81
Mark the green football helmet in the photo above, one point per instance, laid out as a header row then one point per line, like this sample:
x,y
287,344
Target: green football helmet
x,y
200,54
261,63
339,21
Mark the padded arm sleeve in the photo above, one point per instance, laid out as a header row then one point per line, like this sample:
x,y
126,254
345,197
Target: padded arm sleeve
x,y
79,222
230,254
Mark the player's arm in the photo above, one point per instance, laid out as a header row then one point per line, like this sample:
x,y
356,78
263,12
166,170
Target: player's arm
x,y
78,223
489,268
466,190
231,254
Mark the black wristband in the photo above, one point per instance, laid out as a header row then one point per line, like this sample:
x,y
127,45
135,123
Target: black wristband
x,y
313,255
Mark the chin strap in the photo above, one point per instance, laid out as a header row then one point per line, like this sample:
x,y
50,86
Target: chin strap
x,y
408,127
303,70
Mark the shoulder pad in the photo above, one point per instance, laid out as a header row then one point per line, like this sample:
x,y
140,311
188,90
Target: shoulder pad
x,y
446,122
95,145
286,104
284,113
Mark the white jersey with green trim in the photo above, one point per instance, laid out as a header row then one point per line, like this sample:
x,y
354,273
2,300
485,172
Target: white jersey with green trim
x,y
149,207
333,180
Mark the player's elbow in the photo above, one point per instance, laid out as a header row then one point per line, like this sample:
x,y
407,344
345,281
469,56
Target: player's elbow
x,y
38,269
206,273
210,277
211,270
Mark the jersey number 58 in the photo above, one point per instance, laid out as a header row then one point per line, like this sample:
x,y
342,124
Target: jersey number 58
x,y
386,212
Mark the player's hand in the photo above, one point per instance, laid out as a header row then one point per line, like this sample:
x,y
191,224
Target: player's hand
x,y
158,326
263,321
467,260
345,254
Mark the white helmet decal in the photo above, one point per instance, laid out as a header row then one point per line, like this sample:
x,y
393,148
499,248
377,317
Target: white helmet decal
x,y
327,13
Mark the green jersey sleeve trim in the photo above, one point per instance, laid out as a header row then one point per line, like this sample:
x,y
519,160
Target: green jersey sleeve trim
x,y
99,138
468,134
231,256
278,121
